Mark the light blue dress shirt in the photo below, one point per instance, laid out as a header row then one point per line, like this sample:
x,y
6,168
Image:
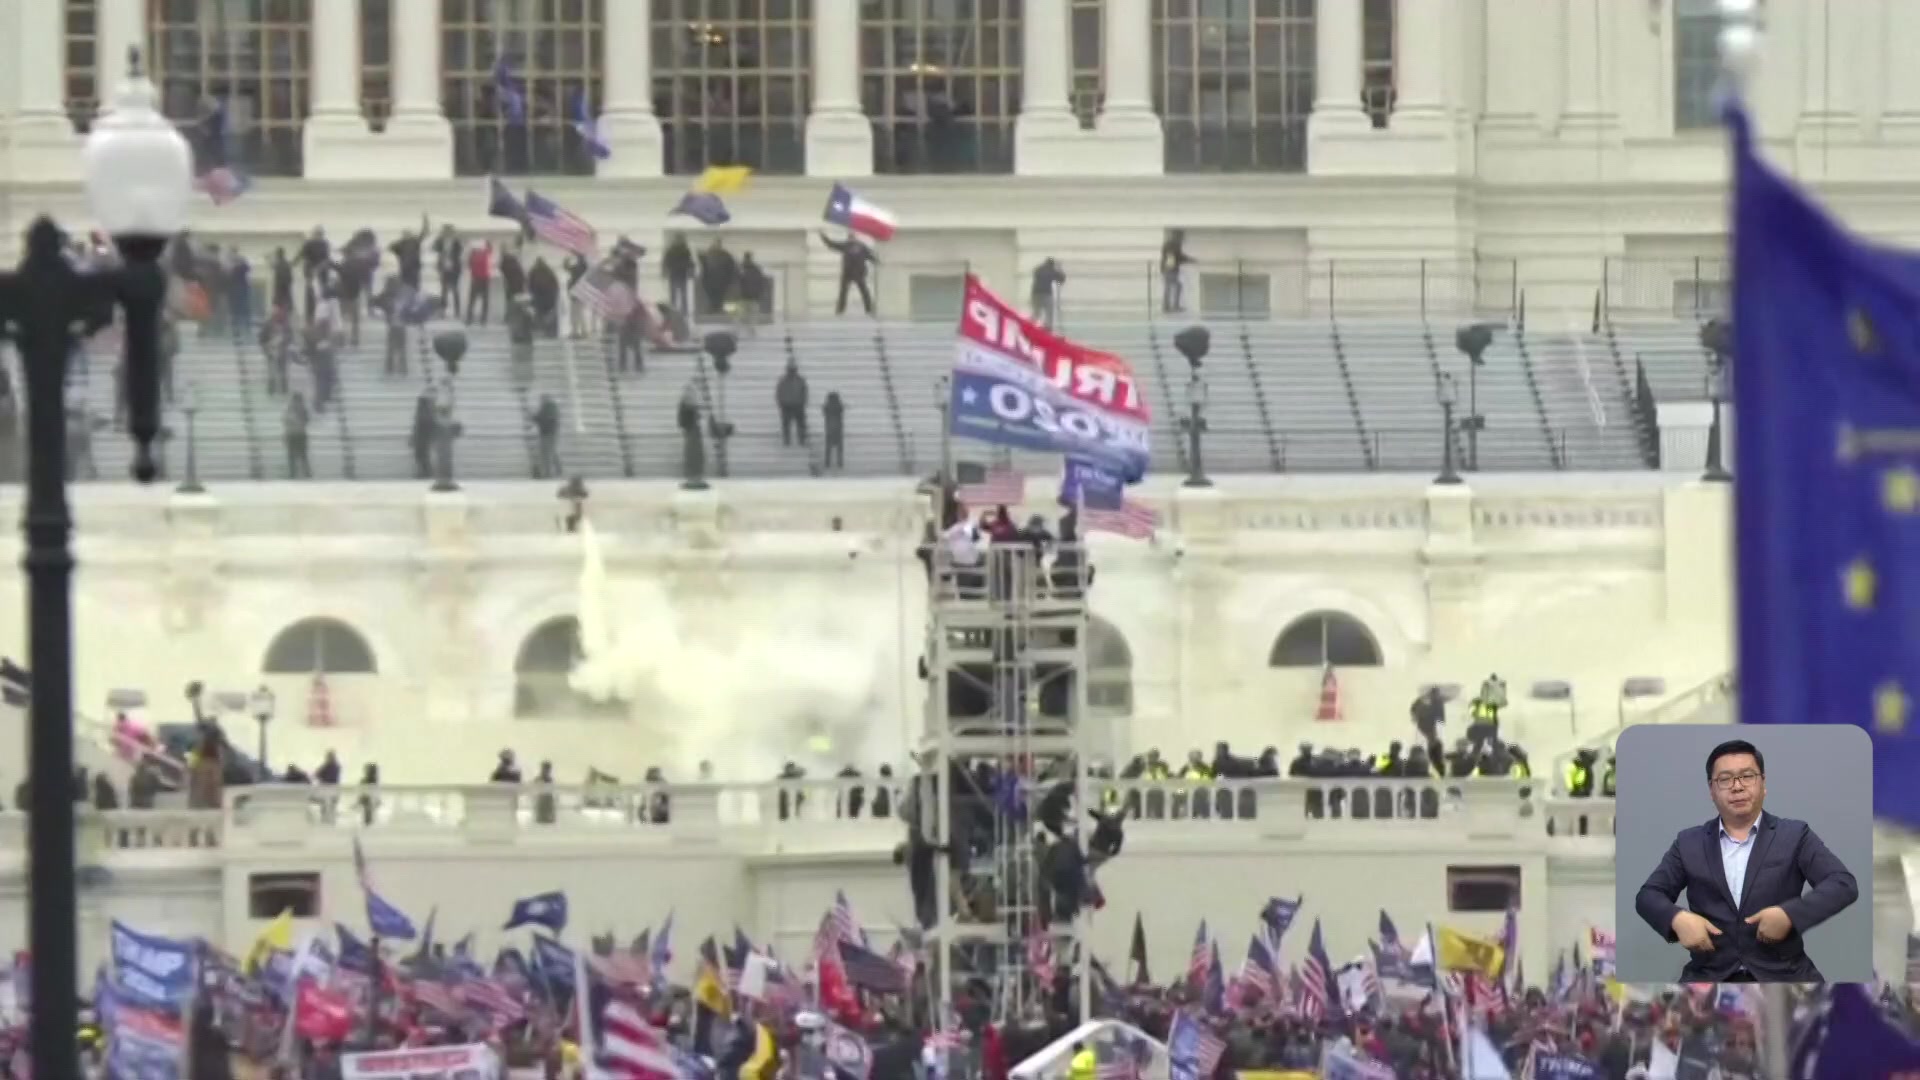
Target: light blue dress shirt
x,y
1734,855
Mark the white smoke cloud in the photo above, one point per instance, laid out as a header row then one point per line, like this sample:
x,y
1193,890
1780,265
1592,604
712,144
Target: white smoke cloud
x,y
798,676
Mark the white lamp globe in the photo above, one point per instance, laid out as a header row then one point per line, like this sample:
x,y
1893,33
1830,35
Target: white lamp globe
x,y
139,171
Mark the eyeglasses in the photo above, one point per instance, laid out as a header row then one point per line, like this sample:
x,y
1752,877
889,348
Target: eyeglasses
x,y
1729,781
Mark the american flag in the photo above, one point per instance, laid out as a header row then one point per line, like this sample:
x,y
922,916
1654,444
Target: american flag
x,y
1257,970
999,487
437,996
1135,521
1190,1039
1040,955
622,969
1201,958
633,1049
492,997
602,290
561,228
1314,974
845,926
605,295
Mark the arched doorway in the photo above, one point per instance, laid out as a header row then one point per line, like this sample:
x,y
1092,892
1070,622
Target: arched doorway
x,y
1109,667
319,646
541,670
1322,639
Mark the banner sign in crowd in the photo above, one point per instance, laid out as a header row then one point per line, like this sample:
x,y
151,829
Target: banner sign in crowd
x,y
470,1062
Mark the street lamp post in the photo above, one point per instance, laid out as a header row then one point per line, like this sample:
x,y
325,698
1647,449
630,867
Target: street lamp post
x,y
139,179
1195,425
1717,338
261,703
943,401
1194,343
1449,397
190,405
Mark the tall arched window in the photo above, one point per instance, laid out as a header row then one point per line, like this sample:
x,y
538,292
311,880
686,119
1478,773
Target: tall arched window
x,y
1696,64
541,670
1109,666
1322,639
1089,73
234,75
1233,81
319,646
940,79
731,83
553,55
82,52
376,61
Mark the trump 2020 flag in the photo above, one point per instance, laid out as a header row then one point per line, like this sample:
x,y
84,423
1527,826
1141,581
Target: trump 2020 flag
x,y
1826,390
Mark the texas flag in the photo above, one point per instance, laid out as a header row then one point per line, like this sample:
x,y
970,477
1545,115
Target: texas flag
x,y
850,211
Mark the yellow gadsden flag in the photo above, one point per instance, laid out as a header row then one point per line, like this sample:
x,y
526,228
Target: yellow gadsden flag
x,y
276,937
1464,952
722,179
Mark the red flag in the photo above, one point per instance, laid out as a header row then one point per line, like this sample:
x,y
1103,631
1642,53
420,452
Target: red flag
x,y
322,1014
1329,708
836,997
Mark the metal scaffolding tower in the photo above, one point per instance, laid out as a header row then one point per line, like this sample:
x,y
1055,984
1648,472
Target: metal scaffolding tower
x,y
1006,726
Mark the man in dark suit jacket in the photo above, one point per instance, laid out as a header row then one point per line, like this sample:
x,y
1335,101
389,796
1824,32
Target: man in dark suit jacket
x,y
1746,874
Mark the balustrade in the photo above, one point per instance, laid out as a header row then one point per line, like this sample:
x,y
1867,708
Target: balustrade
x,y
786,816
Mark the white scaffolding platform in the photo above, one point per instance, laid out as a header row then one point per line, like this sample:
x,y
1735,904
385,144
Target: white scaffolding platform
x,y
1010,637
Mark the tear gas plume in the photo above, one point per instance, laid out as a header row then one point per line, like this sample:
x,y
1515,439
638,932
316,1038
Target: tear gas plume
x,y
797,676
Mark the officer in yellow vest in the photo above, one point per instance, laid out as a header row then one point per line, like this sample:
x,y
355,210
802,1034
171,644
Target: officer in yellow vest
x,y
1083,1064
1579,775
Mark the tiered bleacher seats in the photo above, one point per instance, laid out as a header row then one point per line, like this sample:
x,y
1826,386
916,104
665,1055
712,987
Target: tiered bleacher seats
x,y
1284,395
1670,350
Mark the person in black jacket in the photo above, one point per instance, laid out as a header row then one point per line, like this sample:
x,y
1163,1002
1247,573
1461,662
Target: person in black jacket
x,y
719,273
315,255
855,258
1045,293
790,398
543,289
450,258
676,265
833,416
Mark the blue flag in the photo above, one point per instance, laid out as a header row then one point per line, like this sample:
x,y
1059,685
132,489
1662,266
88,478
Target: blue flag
x,y
387,921
585,126
549,909
1091,485
355,955
703,207
1855,1041
508,91
1827,511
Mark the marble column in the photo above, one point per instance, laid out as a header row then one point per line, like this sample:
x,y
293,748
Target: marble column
x,y
839,136
1899,44
627,122
1046,133
1424,31
1588,101
44,146
1128,127
122,25
418,142
1829,92
336,141
1514,70
1337,64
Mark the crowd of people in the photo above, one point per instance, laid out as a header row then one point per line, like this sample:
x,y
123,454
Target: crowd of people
x,y
261,1015
305,314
